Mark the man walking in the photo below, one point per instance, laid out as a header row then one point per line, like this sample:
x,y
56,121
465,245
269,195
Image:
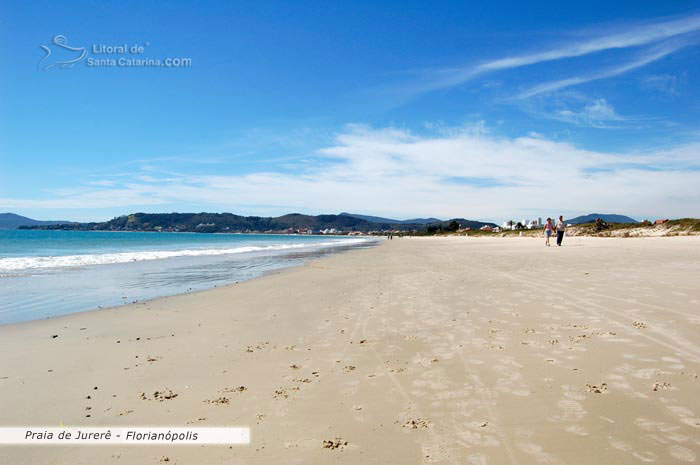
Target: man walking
x,y
561,229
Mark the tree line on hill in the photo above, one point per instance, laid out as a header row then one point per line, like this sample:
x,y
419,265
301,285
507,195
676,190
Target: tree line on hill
x,y
228,222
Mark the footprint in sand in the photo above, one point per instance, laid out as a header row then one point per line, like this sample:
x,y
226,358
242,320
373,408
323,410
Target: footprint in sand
x,y
577,430
570,410
646,456
573,395
477,459
619,444
523,440
682,453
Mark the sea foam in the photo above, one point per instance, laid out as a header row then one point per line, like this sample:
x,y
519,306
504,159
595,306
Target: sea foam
x,y
71,261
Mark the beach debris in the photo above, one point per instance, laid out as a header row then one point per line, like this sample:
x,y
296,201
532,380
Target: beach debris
x,y
639,325
234,389
597,389
218,401
160,396
164,459
349,368
54,336
658,386
258,346
363,341
418,423
337,443
295,366
283,393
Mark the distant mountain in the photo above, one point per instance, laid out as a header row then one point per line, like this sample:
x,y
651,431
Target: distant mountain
x,y
14,221
230,223
379,219
468,223
605,217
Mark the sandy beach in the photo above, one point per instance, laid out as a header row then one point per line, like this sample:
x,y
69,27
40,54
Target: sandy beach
x,y
421,350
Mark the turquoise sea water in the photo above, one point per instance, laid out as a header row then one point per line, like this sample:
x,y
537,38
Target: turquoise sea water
x,y
49,273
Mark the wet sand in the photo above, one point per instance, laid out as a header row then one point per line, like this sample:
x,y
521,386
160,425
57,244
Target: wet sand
x,y
449,350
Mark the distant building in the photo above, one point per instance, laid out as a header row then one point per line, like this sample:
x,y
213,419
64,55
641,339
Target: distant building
x,y
511,225
660,221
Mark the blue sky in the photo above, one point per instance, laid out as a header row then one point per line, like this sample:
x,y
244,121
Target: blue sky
x,y
401,109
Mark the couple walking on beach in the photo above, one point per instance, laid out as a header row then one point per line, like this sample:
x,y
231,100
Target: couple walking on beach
x,y
559,228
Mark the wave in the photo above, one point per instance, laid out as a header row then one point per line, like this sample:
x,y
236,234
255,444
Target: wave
x,y
72,261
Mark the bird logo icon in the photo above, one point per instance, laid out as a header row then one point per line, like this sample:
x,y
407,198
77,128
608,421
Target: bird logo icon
x,y
63,55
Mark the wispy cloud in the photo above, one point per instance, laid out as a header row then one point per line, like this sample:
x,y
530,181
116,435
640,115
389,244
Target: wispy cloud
x,y
649,56
667,84
450,172
631,35
634,36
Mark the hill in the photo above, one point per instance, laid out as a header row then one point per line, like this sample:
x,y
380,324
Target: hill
x,y
14,221
610,218
228,222
379,219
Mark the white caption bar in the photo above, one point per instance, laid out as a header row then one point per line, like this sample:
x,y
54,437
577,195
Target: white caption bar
x,y
121,435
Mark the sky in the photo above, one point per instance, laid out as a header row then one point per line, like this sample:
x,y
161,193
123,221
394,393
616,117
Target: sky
x,y
403,109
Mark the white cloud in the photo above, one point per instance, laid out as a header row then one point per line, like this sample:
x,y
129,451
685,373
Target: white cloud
x,y
448,173
598,114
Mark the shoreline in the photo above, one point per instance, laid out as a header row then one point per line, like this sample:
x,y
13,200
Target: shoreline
x,y
312,256
418,350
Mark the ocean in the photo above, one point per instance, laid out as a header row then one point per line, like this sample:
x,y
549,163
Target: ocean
x,y
50,273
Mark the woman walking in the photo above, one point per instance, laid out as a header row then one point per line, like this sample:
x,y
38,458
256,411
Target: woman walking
x,y
548,229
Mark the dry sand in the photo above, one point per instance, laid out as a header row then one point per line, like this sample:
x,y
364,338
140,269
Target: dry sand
x,y
453,350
